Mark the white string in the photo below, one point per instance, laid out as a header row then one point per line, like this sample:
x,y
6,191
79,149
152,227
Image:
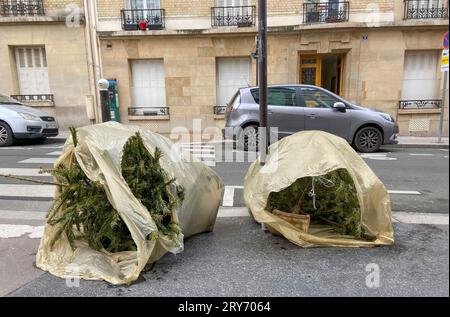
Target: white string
x,y
325,182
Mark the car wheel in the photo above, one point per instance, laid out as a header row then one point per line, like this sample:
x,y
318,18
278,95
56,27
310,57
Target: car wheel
x,y
6,135
368,140
248,139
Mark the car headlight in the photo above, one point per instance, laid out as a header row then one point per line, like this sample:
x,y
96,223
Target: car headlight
x,y
29,117
387,117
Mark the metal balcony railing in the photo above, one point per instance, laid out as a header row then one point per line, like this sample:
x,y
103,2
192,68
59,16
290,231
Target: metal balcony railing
x,y
426,9
420,104
143,19
33,98
12,8
148,111
220,110
242,16
331,12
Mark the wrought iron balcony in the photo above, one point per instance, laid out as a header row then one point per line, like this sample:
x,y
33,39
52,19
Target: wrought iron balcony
x,y
143,19
331,12
220,110
33,98
420,104
148,111
12,8
426,9
243,16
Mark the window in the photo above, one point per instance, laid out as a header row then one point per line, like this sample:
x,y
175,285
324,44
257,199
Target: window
x,y
316,98
32,70
144,4
233,3
420,81
149,88
232,73
279,96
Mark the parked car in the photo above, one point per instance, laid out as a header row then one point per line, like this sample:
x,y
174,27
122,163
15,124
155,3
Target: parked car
x,y
18,121
294,108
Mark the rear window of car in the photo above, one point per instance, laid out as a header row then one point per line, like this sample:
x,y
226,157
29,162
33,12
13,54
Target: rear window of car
x,y
278,96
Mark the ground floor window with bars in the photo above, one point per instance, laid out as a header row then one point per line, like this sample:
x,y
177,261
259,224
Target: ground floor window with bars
x,y
32,70
421,84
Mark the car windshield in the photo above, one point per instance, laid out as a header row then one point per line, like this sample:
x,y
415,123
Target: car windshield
x,y
5,100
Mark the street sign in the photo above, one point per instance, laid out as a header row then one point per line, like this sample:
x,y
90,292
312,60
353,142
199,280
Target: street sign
x,y
444,61
445,41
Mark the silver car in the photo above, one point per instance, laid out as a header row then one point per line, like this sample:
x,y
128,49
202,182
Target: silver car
x,y
294,108
18,121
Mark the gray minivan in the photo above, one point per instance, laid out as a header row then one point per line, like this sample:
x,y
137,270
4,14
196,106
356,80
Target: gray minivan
x,y
294,108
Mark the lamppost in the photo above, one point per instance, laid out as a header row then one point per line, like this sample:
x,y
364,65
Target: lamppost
x,y
103,86
262,82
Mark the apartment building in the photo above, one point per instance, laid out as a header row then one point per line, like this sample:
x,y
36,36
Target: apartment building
x,y
44,59
179,60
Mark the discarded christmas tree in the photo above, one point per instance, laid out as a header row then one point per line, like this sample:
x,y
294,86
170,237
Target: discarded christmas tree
x,y
330,200
82,210
151,184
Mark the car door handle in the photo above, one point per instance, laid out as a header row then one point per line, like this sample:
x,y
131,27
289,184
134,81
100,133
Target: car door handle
x,y
311,116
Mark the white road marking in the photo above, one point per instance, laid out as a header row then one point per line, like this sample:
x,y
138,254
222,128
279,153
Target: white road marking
x,y
404,192
22,215
52,147
22,172
17,231
56,153
378,156
233,212
398,217
15,148
228,195
39,160
27,191
420,154
421,218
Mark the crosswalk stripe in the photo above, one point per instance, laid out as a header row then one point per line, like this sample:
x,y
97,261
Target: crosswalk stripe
x,y
27,191
22,215
420,154
17,231
404,192
56,153
22,172
39,160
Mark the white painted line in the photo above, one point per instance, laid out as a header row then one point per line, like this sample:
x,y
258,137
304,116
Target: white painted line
x,y
39,160
52,147
28,191
233,212
22,215
17,231
420,154
228,197
398,217
213,156
421,218
22,172
56,153
404,192
15,148
200,150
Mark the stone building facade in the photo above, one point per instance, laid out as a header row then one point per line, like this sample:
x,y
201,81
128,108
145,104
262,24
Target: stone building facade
x,y
176,61
43,57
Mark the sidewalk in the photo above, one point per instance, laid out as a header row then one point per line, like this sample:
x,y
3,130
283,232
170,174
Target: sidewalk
x,y
403,141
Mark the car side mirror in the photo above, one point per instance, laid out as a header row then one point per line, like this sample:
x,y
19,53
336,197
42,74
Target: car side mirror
x,y
340,106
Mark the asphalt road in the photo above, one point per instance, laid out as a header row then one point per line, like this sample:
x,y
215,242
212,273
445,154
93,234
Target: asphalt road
x,y
238,258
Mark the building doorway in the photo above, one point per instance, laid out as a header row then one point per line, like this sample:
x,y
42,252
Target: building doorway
x,y
323,70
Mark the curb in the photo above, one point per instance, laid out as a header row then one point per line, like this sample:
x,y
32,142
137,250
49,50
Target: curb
x,y
418,146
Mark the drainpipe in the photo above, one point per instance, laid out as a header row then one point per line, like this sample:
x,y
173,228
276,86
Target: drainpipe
x,y
92,54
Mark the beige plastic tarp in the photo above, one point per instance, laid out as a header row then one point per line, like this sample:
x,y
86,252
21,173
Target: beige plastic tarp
x,y
99,154
313,154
